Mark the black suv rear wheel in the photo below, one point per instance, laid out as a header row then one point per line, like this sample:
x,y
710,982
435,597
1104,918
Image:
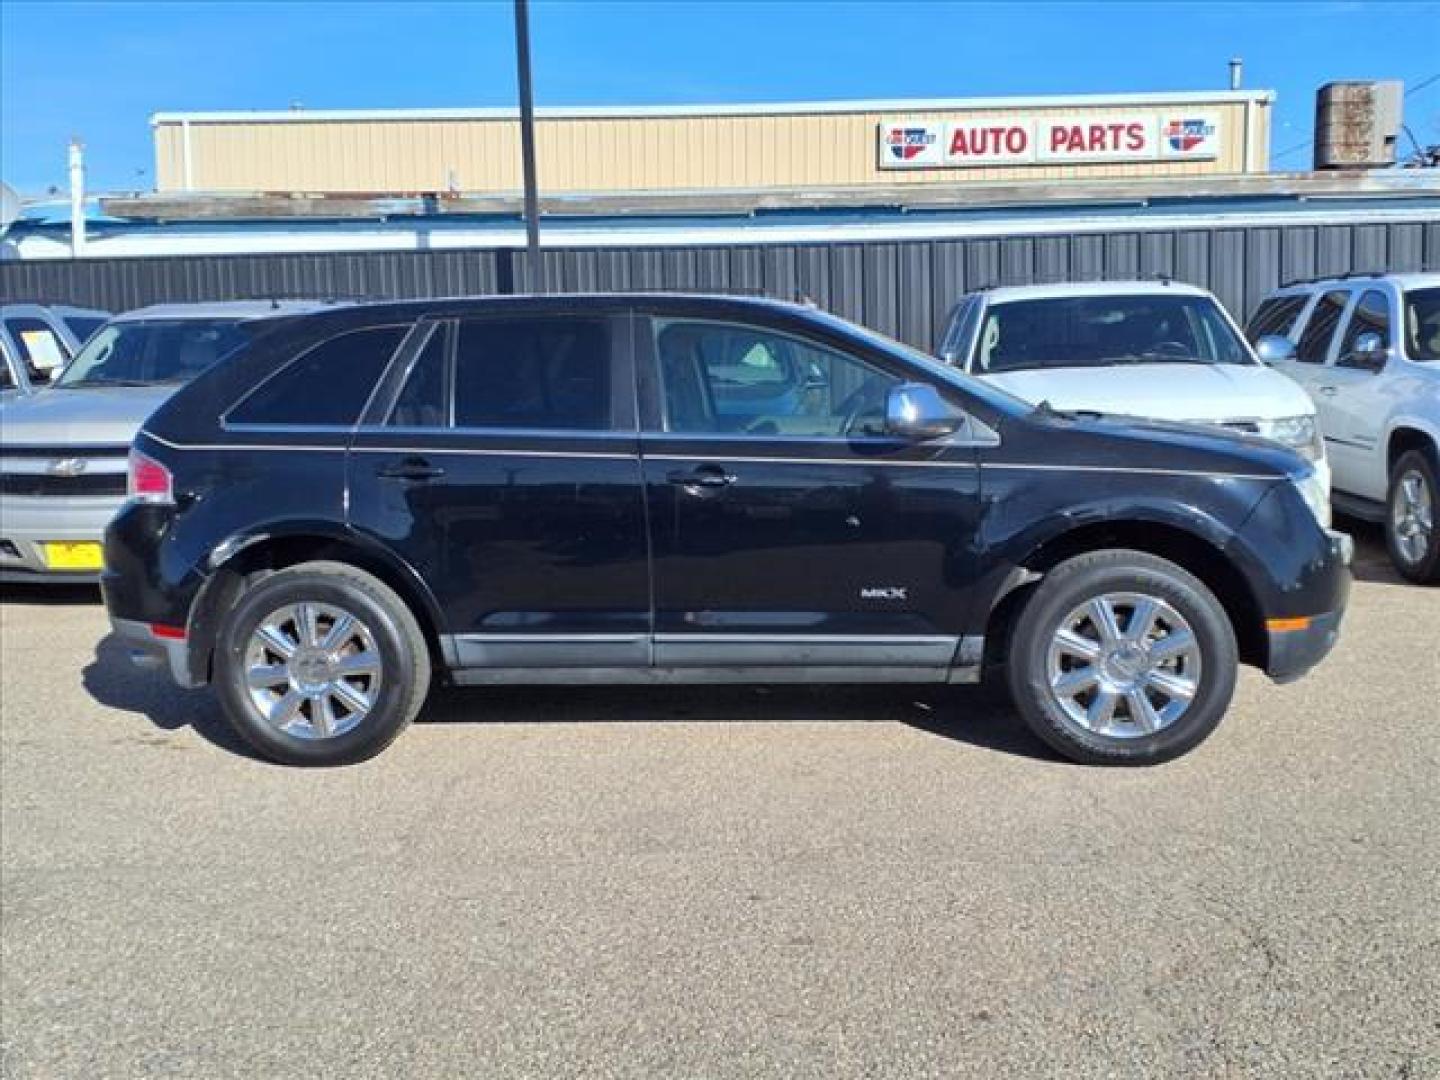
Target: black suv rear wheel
x,y
1122,658
1411,531
321,664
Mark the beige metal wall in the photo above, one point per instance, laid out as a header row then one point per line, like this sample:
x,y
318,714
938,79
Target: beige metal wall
x,y
643,153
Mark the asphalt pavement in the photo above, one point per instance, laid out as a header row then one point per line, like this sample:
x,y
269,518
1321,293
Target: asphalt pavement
x,y
720,882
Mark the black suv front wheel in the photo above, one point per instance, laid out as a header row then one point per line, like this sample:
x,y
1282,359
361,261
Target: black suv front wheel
x,y
1122,658
321,664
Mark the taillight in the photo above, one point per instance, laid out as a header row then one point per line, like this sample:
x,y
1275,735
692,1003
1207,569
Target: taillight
x,y
149,481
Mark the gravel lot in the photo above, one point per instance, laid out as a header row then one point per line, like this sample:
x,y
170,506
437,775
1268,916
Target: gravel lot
x,y
720,883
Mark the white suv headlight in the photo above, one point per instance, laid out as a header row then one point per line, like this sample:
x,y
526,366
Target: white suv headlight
x,y
1299,433
1312,489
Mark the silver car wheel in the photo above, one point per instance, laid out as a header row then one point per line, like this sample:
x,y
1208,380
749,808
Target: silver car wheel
x,y
312,670
1412,516
1124,665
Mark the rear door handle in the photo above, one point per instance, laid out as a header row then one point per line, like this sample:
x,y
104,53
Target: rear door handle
x,y
412,469
1327,390
702,476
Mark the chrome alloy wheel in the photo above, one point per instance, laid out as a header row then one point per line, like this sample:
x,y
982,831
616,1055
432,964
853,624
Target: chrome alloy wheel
x,y
312,670
1412,516
1124,665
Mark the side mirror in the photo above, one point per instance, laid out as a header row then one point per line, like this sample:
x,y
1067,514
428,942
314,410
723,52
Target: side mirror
x,y
1368,353
917,411
1275,349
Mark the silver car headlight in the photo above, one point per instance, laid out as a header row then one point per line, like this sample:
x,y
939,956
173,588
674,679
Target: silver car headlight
x,y
1312,489
1299,433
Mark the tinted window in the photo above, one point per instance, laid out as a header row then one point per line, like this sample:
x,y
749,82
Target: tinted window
x,y
1422,324
1104,331
542,373
1275,316
82,326
141,353
40,348
727,378
1314,343
1371,314
327,385
424,400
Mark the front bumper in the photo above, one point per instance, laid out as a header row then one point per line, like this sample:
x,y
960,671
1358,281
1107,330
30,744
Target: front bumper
x,y
26,525
151,652
1297,645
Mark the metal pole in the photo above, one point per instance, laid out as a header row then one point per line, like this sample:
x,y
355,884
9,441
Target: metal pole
x,y
527,145
77,199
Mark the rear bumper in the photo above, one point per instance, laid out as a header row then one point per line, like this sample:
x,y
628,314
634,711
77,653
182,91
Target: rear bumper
x,y
171,655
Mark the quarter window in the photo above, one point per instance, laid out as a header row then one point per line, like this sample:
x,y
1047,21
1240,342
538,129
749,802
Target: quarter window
x,y
1314,344
724,378
544,373
326,386
1371,315
1275,316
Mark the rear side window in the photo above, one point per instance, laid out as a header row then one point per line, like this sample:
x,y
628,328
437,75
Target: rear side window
x,y
325,386
549,373
1275,316
40,347
1371,314
82,326
424,399
1314,343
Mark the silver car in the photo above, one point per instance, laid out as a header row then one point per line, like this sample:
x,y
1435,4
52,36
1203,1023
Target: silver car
x,y
63,450
38,340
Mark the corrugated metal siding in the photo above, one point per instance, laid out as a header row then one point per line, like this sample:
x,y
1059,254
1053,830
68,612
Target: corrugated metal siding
x,y
623,154
904,289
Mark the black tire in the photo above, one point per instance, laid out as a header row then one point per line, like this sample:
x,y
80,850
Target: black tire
x,y
1086,577
1424,569
405,676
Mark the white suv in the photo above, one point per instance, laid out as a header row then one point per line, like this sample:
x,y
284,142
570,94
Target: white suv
x,y
1153,349
1367,348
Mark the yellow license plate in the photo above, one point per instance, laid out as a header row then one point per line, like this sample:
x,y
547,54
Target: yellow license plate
x,y
74,556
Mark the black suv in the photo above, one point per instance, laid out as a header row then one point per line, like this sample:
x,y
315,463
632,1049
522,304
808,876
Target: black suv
x,y
610,489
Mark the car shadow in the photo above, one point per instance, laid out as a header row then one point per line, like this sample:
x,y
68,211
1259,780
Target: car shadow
x,y
67,595
113,681
977,716
974,715
1372,558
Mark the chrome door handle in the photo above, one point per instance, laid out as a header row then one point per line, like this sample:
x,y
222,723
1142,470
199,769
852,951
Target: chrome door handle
x,y
412,470
703,476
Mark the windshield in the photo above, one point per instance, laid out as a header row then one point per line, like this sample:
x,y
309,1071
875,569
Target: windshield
x,y
1104,331
992,395
1422,324
145,353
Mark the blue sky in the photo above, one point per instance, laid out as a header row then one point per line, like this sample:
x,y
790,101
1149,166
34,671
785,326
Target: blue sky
x,y
98,70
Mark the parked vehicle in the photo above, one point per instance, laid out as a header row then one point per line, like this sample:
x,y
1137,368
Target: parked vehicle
x,y
1367,348
37,340
589,489
1155,349
63,451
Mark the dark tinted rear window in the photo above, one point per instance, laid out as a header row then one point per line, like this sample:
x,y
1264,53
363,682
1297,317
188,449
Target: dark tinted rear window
x,y
1320,329
1275,316
533,373
328,385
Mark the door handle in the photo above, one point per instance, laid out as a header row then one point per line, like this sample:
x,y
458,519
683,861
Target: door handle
x,y
702,476
1327,390
412,470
